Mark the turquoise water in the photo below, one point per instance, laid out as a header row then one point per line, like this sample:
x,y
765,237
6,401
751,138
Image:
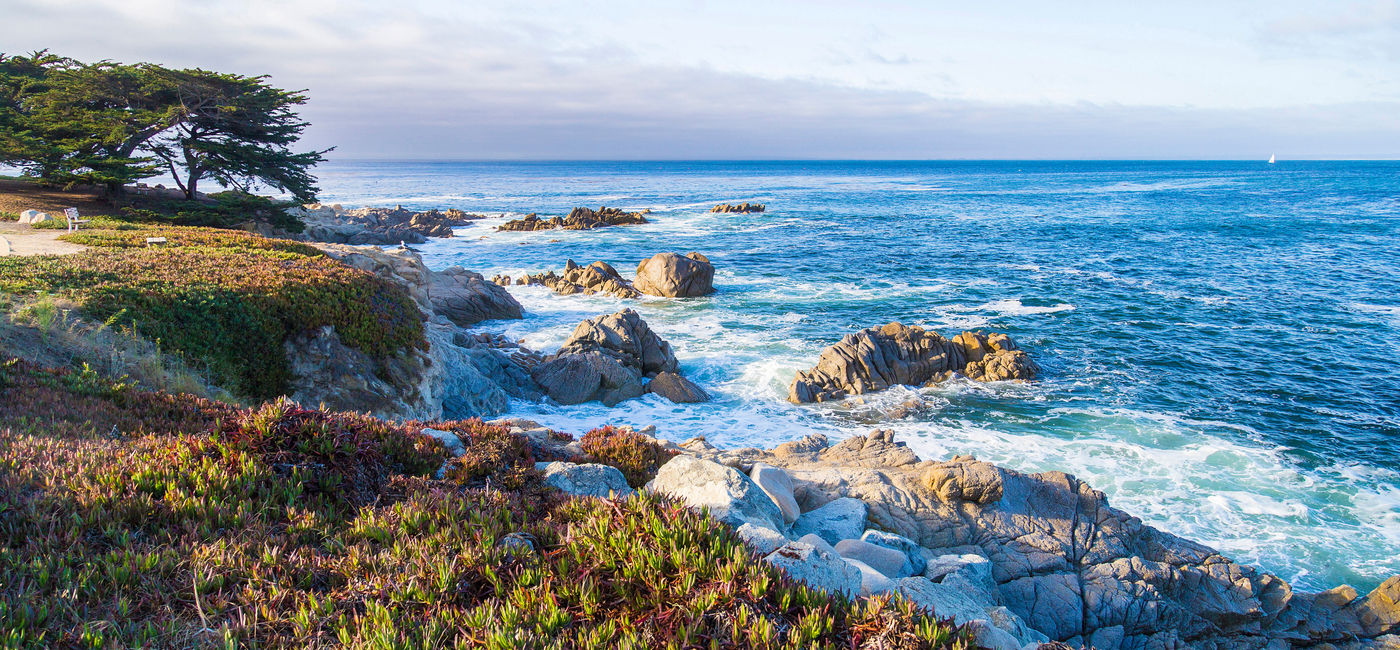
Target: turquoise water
x,y
1219,339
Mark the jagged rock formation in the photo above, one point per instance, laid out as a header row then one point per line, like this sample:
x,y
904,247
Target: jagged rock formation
x,y
377,226
578,219
598,277
672,276
877,358
608,359
1026,558
741,208
460,375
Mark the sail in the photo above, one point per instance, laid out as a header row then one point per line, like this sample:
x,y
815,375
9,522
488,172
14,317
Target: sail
x,y
1271,159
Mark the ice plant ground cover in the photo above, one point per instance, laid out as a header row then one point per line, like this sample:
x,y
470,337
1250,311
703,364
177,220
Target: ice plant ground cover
x,y
134,518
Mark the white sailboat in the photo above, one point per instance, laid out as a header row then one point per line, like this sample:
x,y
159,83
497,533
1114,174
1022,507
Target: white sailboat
x,y
1271,159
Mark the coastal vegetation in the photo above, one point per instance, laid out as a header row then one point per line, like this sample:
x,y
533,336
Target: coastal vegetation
x,y
109,124
225,300
131,518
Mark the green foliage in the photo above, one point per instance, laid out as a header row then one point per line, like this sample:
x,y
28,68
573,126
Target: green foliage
x,y
222,210
225,299
135,519
109,124
635,455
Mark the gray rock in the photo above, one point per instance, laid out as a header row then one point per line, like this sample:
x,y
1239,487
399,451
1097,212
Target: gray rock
x,y
449,441
327,372
625,337
467,298
943,601
888,561
730,496
585,479
590,377
872,581
761,539
986,635
517,544
676,388
818,542
1009,621
842,518
778,486
673,276
913,553
465,390
817,569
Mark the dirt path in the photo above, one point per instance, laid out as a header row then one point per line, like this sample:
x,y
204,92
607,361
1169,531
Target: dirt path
x,y
20,239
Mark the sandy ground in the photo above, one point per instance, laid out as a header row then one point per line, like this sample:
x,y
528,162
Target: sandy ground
x,y
20,239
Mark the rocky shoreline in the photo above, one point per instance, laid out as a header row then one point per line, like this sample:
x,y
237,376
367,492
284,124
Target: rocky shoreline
x,y
1022,559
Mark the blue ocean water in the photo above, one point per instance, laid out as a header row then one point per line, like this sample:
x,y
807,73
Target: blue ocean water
x,y
1220,339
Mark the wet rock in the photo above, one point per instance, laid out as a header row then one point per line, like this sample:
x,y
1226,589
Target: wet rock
x,y
585,479
877,358
817,569
731,496
676,388
740,208
598,277
672,276
842,518
578,219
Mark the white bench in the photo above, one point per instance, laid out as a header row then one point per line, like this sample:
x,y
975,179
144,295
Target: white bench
x,y
73,220
154,240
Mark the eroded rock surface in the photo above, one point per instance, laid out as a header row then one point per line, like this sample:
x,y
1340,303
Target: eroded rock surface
x,y
598,277
673,276
739,208
609,359
577,219
880,357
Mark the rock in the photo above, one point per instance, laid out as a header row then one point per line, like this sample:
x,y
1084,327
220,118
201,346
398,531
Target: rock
x,y
587,377
872,581
986,635
1379,612
34,217
517,544
676,388
740,208
449,441
913,553
761,539
965,481
672,276
376,226
578,219
818,542
887,561
326,372
731,497
973,569
840,519
877,358
467,298
944,602
817,569
1007,620
623,336
598,277
778,486
585,479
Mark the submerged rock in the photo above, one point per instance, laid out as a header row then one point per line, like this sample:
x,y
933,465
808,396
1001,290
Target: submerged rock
x,y
877,358
673,276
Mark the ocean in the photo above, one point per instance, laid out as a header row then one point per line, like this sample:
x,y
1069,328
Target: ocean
x,y
1220,340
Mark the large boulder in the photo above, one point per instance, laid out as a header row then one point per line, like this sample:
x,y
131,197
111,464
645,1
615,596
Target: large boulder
x,y
587,377
817,569
778,486
676,388
467,298
887,561
877,358
730,496
761,539
34,217
840,519
585,479
625,337
673,276
914,555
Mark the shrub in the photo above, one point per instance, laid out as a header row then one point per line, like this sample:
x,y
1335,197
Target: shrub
x,y
224,299
222,210
635,455
199,524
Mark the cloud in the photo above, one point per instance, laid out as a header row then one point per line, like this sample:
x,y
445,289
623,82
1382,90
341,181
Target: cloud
x,y
434,81
1358,30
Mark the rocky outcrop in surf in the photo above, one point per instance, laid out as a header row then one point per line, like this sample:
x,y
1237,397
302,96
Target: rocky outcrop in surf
x,y
673,276
377,226
609,359
880,357
740,208
598,277
1021,559
577,219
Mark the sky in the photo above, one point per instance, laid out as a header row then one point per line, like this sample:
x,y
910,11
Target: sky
x,y
720,79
